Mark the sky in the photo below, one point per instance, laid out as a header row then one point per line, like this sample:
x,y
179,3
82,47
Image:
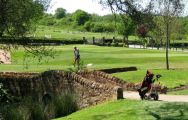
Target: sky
x,y
90,6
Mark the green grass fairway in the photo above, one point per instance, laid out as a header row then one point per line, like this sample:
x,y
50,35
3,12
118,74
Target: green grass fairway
x,y
100,57
132,110
110,57
171,78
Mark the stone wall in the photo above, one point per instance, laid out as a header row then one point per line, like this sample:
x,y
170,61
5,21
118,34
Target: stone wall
x,y
102,77
135,86
88,91
89,87
105,78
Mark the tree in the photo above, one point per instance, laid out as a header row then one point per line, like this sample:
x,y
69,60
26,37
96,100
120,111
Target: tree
x,y
177,31
16,17
17,20
158,32
81,17
126,27
143,13
169,10
60,13
139,13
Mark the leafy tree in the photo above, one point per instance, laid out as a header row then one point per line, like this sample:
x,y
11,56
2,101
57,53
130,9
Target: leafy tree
x,y
88,26
47,20
98,27
143,13
185,24
158,32
139,13
126,27
169,10
177,30
16,17
60,13
81,17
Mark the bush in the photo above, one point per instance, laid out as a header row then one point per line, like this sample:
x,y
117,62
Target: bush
x,y
40,41
11,112
30,109
109,28
88,26
65,105
25,110
97,28
37,111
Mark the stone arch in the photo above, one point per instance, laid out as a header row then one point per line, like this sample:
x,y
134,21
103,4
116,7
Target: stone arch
x,y
46,98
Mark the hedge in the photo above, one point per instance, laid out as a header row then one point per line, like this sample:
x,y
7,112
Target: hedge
x,y
35,41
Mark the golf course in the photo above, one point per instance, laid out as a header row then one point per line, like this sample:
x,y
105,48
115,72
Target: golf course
x,y
93,60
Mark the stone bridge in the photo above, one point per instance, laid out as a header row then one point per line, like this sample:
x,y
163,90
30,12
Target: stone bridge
x,y
90,87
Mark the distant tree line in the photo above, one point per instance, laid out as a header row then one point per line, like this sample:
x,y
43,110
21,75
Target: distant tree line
x,y
148,27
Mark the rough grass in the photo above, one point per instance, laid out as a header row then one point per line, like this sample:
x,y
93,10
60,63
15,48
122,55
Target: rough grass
x,y
179,92
60,33
132,110
69,34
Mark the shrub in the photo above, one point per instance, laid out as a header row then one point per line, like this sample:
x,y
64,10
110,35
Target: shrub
x,y
30,109
11,112
88,26
98,28
65,105
37,112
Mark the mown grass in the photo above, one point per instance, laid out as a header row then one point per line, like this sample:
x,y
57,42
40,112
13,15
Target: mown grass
x,y
170,78
132,110
101,57
109,57
69,34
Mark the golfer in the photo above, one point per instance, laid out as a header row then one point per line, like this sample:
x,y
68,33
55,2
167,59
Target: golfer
x,y
76,57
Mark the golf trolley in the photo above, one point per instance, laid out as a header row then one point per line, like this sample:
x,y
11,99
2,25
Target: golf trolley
x,y
153,93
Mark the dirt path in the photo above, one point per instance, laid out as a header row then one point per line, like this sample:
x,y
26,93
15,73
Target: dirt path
x,y
162,97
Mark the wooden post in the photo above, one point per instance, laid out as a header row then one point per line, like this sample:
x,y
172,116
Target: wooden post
x,y
103,40
123,41
114,40
182,46
93,40
84,39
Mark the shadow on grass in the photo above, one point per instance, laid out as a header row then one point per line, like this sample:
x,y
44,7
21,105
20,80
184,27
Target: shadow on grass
x,y
169,111
106,116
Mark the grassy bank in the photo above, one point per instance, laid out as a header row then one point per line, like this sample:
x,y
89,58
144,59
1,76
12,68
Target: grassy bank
x,y
170,78
132,110
179,92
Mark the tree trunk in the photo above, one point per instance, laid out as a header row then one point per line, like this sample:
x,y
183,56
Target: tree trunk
x,y
167,45
127,41
1,34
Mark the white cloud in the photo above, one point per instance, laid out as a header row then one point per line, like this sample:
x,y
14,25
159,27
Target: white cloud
x,y
90,6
